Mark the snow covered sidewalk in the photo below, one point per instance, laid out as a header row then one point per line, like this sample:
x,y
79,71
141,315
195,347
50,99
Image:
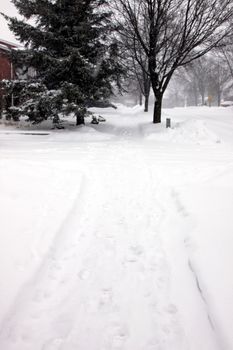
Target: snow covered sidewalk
x,y
113,253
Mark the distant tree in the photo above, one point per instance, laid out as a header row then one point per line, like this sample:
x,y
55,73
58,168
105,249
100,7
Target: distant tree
x,y
227,53
137,64
138,81
177,91
71,47
219,76
172,33
198,74
143,77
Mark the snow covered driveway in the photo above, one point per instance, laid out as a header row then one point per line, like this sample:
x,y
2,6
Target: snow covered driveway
x,y
119,236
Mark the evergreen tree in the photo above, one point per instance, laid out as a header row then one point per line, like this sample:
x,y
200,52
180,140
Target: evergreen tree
x,y
74,55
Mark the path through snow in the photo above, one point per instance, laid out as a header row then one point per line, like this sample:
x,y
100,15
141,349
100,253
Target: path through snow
x,y
117,274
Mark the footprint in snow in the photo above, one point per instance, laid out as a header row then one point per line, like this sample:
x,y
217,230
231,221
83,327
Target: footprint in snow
x,y
53,344
179,206
117,337
84,274
171,309
134,254
106,298
136,250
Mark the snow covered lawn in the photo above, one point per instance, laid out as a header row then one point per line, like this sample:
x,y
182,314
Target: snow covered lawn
x,y
118,235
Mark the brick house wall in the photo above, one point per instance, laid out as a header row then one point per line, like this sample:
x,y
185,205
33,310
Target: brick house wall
x,y
6,68
6,71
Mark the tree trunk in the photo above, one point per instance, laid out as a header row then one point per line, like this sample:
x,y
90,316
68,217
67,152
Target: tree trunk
x,y
195,98
140,98
147,86
158,90
157,109
219,97
195,93
146,108
80,119
203,98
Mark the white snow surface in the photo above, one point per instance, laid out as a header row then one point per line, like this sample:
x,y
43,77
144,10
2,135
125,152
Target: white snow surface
x,y
118,236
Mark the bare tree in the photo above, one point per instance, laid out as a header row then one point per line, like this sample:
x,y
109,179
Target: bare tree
x,y
198,72
143,77
137,63
228,56
219,76
172,33
138,73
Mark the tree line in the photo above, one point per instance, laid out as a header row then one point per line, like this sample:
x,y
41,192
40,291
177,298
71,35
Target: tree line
x,y
78,52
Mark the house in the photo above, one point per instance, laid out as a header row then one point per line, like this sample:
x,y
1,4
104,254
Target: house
x,y
6,67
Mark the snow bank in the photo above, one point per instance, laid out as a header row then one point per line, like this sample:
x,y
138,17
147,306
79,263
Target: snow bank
x,y
189,131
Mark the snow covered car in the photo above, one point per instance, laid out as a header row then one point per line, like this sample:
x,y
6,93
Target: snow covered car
x,y
226,103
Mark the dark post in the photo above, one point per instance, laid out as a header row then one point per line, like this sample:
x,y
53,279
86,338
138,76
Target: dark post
x,y
168,123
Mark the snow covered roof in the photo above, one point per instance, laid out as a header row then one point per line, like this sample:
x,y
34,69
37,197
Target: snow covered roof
x,y
7,46
3,47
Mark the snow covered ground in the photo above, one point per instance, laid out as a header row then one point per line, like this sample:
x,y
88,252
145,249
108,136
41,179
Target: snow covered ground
x,y
118,235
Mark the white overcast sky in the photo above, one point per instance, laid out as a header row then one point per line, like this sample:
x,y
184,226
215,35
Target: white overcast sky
x,y
8,8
